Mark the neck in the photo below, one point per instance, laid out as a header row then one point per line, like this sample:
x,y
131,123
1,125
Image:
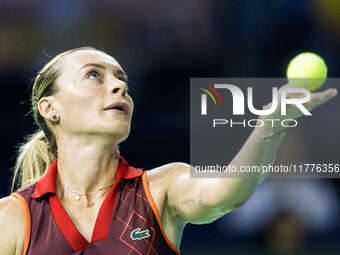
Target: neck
x,y
87,166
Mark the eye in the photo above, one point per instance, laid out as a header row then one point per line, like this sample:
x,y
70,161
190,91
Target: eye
x,y
122,77
93,75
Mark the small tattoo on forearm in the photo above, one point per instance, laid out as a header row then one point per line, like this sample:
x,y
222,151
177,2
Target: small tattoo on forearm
x,y
200,197
187,201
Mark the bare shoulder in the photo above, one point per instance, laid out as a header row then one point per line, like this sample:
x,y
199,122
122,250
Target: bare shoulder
x,y
12,225
161,179
12,213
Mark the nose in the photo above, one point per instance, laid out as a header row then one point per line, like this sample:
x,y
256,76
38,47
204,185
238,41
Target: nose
x,y
119,88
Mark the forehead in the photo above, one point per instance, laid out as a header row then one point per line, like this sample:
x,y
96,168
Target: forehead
x,y
80,58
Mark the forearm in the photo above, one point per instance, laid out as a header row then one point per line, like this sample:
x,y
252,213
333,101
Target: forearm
x,y
258,150
230,193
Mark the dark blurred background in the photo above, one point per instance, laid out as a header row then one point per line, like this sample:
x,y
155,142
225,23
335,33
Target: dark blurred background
x,y
161,44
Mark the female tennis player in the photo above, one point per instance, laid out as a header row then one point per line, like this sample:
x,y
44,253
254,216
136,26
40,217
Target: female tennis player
x,y
78,195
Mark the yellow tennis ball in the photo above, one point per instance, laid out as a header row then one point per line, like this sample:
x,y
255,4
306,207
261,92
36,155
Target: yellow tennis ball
x,y
307,70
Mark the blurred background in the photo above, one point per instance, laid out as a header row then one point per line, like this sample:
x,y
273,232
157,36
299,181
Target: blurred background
x,y
161,44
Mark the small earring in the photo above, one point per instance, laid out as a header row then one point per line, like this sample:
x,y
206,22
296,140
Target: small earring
x,y
55,117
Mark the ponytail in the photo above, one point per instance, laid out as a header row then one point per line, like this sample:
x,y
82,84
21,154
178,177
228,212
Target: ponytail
x,y
34,158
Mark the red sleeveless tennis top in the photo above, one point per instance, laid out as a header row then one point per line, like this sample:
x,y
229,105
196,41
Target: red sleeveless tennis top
x,y
128,221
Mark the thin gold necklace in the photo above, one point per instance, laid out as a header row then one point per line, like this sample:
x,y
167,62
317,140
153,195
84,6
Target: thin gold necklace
x,y
78,195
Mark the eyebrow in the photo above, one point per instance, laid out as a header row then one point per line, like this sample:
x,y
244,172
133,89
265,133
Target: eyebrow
x,y
100,66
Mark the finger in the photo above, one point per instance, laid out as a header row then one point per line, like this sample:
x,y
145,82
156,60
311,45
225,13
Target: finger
x,y
290,94
330,93
322,97
325,95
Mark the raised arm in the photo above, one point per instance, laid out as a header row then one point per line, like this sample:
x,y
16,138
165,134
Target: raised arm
x,y
203,200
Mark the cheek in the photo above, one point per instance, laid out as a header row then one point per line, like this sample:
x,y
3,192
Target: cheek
x,y
80,105
130,101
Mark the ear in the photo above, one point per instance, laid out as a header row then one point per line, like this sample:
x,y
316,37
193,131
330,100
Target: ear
x,y
47,108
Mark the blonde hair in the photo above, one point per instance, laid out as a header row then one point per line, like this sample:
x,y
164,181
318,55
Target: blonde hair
x,y
39,150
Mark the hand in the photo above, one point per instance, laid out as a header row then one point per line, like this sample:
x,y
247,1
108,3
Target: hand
x,y
317,98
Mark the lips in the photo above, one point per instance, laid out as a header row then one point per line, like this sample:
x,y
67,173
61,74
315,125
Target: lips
x,y
119,106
